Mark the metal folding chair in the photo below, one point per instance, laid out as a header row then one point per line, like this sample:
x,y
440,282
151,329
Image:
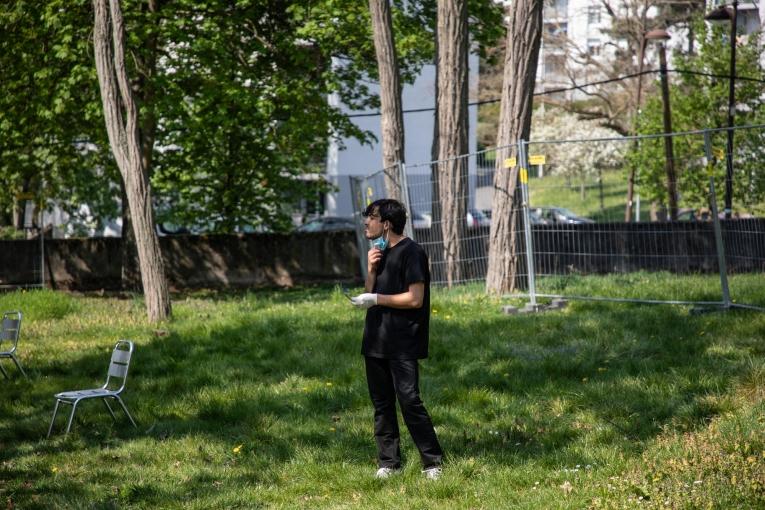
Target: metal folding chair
x,y
116,378
11,327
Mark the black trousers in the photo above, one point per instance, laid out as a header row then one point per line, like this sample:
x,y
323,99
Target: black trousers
x,y
388,380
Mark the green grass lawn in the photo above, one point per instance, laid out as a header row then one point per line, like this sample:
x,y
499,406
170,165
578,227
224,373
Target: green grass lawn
x,y
258,400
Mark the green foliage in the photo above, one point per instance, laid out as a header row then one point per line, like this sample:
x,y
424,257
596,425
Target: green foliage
x,y
238,92
258,400
700,102
51,129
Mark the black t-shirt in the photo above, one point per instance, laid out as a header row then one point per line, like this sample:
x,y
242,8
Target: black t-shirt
x,y
394,333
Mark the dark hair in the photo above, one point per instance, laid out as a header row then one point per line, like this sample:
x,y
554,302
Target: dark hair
x,y
389,210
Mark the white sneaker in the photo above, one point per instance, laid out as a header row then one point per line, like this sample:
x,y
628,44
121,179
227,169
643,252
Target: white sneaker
x,y
432,473
386,472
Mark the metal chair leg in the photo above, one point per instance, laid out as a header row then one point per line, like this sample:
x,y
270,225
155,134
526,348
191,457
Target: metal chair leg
x,y
109,408
124,408
55,410
3,371
71,416
18,365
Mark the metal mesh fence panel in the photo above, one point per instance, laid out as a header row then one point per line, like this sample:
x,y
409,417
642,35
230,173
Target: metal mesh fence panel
x,y
21,260
21,263
670,245
469,213
674,243
743,233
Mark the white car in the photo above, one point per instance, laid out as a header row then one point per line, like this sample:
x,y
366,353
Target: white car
x,y
422,220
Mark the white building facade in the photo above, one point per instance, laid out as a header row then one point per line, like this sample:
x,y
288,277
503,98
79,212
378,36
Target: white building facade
x,y
577,29
350,158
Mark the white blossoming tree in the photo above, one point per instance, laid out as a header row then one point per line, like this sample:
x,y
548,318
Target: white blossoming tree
x,y
576,161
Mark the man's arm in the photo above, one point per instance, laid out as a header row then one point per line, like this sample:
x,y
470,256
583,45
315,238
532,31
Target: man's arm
x,y
369,283
373,259
412,298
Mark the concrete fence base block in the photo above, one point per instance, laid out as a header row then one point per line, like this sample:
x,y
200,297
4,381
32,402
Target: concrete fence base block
x,y
530,308
558,304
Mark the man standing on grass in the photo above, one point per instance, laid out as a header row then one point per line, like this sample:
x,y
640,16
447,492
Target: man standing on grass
x,y
397,300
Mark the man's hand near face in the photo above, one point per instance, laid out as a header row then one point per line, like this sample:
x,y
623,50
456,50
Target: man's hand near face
x,y
373,259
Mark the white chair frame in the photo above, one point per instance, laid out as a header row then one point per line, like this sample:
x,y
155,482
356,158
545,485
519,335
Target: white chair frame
x,y
118,369
10,330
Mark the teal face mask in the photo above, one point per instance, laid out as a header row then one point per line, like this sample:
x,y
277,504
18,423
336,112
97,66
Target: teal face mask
x,y
380,243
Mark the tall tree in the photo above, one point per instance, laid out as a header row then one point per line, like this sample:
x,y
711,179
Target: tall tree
x,y
452,42
485,28
524,34
699,98
122,125
392,118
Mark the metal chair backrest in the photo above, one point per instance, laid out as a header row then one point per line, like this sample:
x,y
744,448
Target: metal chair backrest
x,y
11,327
118,366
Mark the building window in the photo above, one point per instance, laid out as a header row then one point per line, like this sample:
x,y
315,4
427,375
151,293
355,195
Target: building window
x,y
557,29
593,47
593,15
556,9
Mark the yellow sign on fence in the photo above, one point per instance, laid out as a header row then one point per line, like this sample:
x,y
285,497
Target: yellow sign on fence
x,y
25,196
538,159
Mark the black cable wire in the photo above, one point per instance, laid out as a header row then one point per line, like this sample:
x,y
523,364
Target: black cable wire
x,y
490,101
578,87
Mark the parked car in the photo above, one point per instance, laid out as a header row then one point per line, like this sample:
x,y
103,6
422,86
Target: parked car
x,y
536,219
327,224
473,218
421,220
477,218
559,215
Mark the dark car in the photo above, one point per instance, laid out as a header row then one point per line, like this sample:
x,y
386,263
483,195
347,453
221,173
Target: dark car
x,y
477,218
327,224
536,219
559,215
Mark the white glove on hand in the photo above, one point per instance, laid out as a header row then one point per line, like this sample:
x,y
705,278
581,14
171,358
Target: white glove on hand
x,y
365,300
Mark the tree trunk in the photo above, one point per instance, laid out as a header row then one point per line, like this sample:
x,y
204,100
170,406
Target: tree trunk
x,y
392,118
524,33
452,42
437,269
131,274
121,117
147,65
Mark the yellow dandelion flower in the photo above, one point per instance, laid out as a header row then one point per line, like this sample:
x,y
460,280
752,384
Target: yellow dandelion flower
x,y
238,449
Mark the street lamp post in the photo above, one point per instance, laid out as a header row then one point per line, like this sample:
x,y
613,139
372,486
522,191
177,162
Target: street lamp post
x,y
660,36
631,179
721,15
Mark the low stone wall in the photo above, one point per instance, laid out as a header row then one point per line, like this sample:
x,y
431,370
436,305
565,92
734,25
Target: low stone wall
x,y
262,260
191,262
